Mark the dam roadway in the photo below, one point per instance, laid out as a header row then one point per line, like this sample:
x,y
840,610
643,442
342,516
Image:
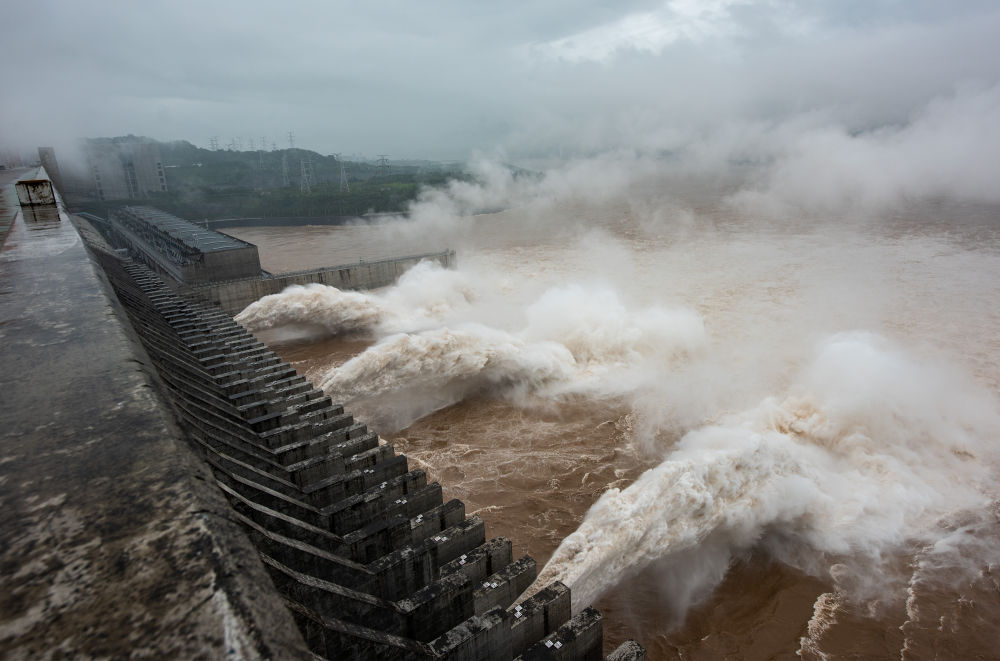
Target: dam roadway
x,y
115,542
172,489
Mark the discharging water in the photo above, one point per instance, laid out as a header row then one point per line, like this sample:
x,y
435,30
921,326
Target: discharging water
x,y
737,437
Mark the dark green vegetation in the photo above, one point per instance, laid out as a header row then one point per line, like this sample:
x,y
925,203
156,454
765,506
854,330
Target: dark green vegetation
x,y
206,184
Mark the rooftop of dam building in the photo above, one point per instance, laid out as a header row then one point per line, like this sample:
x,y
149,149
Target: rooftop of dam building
x,y
171,488
197,238
225,270
177,248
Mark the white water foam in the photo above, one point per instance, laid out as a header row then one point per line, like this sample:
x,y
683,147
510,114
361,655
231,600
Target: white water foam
x,y
824,616
864,451
425,295
444,335
411,374
965,555
864,455
335,310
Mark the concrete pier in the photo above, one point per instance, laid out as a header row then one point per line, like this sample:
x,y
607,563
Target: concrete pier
x,y
234,295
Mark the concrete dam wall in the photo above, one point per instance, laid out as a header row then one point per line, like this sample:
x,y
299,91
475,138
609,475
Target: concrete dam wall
x,y
220,269
234,295
370,561
173,489
115,541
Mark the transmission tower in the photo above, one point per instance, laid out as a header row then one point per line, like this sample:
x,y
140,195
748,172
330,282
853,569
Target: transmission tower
x,y
260,166
382,166
344,186
306,183
284,171
213,143
291,140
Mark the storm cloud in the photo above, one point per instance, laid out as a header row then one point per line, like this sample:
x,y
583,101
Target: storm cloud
x,y
523,80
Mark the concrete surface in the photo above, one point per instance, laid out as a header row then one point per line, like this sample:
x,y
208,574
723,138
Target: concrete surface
x,y
116,537
114,541
234,295
8,197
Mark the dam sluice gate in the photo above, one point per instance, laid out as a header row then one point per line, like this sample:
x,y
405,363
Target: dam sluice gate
x,y
369,560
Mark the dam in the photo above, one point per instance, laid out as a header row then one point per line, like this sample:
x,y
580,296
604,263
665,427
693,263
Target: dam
x,y
173,488
224,270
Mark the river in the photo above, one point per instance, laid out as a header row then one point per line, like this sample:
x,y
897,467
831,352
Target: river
x,y
739,436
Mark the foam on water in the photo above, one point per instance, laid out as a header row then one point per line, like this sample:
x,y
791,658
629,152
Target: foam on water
x,y
336,311
424,295
717,339
824,616
865,455
443,335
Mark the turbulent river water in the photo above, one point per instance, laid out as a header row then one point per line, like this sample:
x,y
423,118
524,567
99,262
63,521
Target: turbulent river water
x,y
737,437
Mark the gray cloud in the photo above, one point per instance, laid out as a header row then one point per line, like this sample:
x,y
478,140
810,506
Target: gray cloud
x,y
442,79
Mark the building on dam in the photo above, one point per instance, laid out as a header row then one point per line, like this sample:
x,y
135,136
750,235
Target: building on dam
x,y
125,168
172,488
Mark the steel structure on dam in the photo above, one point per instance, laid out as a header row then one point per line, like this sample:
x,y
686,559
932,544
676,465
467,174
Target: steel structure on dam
x,y
173,488
180,249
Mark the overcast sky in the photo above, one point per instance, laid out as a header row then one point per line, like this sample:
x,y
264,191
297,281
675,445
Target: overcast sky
x,y
443,80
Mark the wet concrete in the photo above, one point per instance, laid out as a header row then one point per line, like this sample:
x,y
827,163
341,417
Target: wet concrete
x,y
114,540
8,197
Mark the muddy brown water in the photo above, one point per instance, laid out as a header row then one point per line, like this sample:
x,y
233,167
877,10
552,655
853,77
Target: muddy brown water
x,y
927,277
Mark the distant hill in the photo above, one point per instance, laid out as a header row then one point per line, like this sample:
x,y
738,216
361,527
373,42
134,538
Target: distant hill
x,y
213,184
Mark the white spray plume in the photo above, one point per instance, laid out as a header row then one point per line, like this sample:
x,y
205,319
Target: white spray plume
x,y
337,311
949,148
809,163
596,326
440,357
863,457
423,296
575,340
862,453
444,335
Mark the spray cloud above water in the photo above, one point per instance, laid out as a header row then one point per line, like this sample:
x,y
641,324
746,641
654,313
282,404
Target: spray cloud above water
x,y
856,449
715,285
862,459
446,335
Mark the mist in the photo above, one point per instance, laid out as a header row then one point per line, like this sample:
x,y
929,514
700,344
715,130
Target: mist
x,y
763,234
795,316
536,82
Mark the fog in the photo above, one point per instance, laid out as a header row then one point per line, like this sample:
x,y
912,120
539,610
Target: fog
x,y
765,233
445,79
796,316
811,376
